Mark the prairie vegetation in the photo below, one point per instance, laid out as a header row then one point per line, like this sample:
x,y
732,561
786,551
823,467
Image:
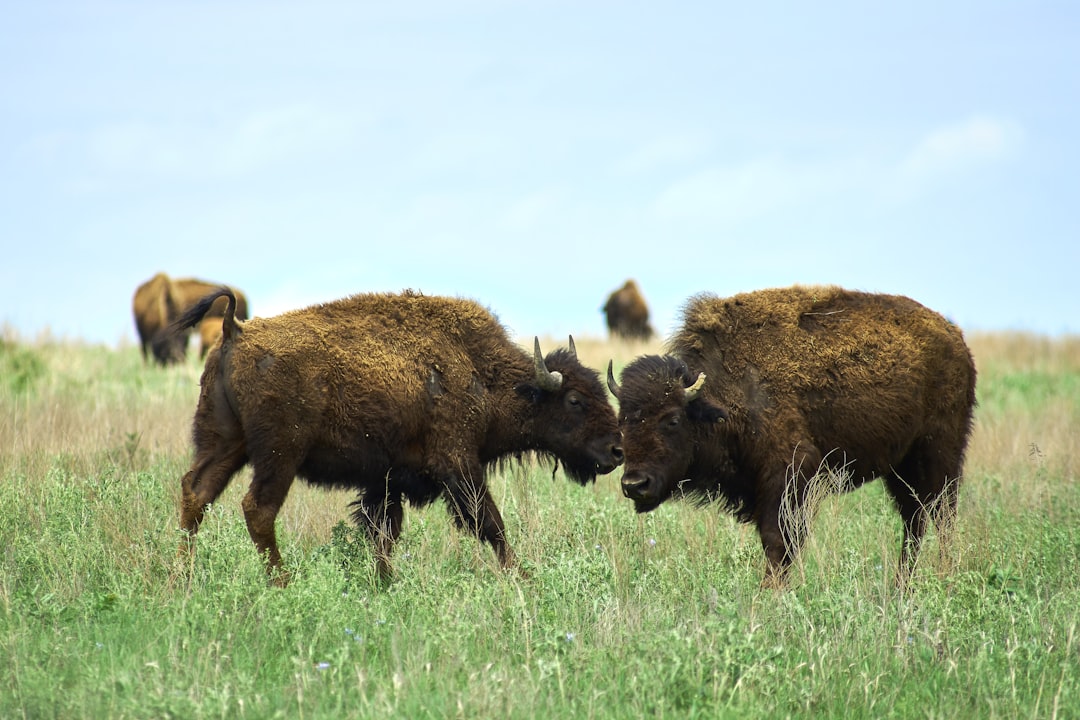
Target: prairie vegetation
x,y
619,616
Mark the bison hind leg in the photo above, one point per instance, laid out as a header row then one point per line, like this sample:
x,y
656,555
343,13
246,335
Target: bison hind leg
x,y
265,496
381,515
204,483
924,485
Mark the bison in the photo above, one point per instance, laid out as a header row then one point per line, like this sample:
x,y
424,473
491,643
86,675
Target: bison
x,y
156,304
161,300
761,391
396,396
627,314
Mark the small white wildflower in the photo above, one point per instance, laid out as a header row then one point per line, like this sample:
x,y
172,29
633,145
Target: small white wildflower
x,y
652,542
322,666
569,637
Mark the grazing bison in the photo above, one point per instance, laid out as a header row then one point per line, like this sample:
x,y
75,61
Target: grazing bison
x,y
762,390
190,291
627,314
161,300
156,303
398,396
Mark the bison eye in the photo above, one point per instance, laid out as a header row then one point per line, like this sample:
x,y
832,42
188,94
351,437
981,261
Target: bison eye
x,y
574,400
671,422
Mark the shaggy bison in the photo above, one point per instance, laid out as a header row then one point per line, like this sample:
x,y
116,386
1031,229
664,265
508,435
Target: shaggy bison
x,y
159,301
398,396
627,314
762,390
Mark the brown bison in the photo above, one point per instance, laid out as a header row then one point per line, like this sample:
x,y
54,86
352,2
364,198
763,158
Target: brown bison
x,y
161,300
155,305
398,396
762,390
627,314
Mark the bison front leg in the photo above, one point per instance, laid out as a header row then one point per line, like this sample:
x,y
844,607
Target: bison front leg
x,y
783,515
381,516
473,509
778,542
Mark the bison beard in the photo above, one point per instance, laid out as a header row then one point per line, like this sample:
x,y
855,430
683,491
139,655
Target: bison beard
x,y
763,390
399,397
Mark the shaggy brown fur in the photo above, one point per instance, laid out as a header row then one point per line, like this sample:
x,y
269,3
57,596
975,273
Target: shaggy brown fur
x,y
400,397
155,305
627,314
798,380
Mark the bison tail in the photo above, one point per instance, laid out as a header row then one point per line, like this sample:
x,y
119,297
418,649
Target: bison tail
x,y
194,314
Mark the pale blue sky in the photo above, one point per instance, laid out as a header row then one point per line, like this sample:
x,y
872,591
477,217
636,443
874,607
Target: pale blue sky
x,y
534,155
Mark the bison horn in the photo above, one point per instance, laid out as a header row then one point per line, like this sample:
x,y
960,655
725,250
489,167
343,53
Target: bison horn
x,y
611,384
547,380
693,390
573,350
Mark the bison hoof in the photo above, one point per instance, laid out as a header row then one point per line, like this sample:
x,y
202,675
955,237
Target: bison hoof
x,y
279,578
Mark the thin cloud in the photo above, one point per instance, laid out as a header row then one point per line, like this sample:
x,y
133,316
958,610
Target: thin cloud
x,y
243,146
529,211
949,155
767,184
283,133
664,152
961,146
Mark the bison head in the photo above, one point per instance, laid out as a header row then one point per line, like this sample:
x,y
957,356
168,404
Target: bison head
x,y
571,416
661,407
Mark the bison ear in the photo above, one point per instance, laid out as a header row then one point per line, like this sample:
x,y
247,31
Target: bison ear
x,y
704,410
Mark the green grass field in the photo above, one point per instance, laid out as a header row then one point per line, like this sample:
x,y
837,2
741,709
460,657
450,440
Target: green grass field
x,y
620,615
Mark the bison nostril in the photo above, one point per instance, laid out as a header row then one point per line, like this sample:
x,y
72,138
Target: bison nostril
x,y
617,453
634,485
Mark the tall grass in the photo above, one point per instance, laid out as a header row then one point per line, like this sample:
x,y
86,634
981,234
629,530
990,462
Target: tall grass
x,y
617,615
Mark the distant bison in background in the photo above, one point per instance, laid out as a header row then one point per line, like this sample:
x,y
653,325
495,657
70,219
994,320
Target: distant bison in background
x,y
627,314
400,397
155,305
161,300
762,390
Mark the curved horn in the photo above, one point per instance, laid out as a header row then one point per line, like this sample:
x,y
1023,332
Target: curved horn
x,y
573,350
550,381
611,384
693,390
